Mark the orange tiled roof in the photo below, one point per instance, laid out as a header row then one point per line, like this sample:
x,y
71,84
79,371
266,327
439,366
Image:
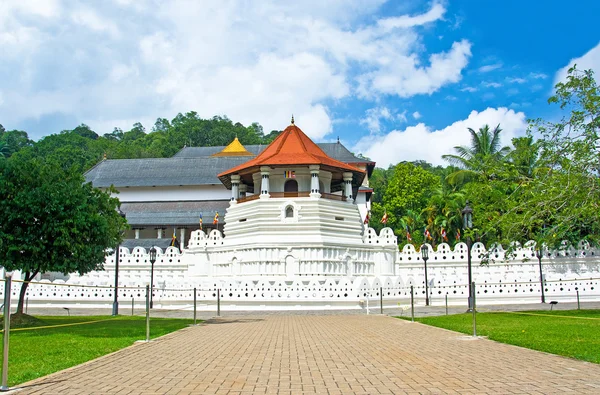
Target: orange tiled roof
x,y
291,148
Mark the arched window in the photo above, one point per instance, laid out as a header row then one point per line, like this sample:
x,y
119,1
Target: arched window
x,y
291,186
289,212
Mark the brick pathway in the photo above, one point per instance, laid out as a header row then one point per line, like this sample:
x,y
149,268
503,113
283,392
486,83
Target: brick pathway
x,y
321,354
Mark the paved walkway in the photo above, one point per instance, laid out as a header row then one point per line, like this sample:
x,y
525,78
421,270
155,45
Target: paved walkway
x,y
278,354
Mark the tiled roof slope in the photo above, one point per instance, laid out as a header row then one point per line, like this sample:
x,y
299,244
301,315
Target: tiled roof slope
x,y
292,147
334,150
190,166
146,214
160,172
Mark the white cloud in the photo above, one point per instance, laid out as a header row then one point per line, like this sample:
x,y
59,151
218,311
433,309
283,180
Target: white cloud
x,y
590,60
422,142
537,76
405,21
90,19
489,67
491,84
516,80
403,76
469,89
252,61
416,115
373,118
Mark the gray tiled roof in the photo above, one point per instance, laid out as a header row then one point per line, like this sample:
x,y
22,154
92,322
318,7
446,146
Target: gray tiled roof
x,y
160,172
336,151
146,243
173,213
198,152
190,166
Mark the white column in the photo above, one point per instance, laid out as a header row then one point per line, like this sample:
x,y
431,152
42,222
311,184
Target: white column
x,y
348,186
182,238
314,181
243,190
235,188
137,233
264,186
159,233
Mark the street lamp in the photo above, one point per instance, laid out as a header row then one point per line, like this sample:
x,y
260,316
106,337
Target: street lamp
x,y
538,254
425,255
115,309
152,260
467,215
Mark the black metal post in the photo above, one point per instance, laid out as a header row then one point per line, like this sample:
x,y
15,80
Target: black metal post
x,y
539,257
115,309
381,300
467,215
470,273
426,284
152,257
6,334
151,284
147,313
474,311
412,304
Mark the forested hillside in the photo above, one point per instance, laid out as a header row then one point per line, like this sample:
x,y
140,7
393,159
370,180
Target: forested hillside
x,y
83,147
544,187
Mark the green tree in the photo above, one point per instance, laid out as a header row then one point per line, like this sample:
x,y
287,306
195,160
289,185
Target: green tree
x,y
409,188
477,160
85,131
50,220
562,199
5,150
15,140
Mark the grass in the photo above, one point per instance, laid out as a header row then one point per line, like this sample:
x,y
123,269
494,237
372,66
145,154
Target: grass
x,y
573,333
38,352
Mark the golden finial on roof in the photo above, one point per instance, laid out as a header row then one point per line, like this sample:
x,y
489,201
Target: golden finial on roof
x,y
292,119
235,148
104,156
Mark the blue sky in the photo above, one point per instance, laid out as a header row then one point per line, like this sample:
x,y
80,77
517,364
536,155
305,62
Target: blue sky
x,y
395,80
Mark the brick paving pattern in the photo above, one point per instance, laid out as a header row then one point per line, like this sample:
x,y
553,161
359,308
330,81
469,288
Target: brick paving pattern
x,y
307,354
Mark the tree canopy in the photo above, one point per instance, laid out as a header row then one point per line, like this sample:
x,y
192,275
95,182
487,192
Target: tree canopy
x,y
50,220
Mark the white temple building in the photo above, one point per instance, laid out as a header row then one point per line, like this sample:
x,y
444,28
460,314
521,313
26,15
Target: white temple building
x,y
293,237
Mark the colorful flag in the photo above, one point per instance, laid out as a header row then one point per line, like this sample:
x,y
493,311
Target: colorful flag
x,y
367,218
216,220
458,235
384,219
408,236
427,234
289,174
443,233
174,241
200,221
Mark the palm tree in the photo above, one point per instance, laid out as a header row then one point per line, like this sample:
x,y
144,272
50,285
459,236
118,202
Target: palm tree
x,y
5,150
476,160
444,210
525,156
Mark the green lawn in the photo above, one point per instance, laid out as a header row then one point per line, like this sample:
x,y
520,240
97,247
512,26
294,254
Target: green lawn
x,y
36,353
573,333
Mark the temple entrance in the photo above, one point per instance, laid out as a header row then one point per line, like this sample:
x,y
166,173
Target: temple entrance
x,y
290,186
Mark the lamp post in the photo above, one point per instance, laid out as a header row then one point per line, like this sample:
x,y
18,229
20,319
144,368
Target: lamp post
x,y
152,260
538,254
115,309
425,256
467,215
